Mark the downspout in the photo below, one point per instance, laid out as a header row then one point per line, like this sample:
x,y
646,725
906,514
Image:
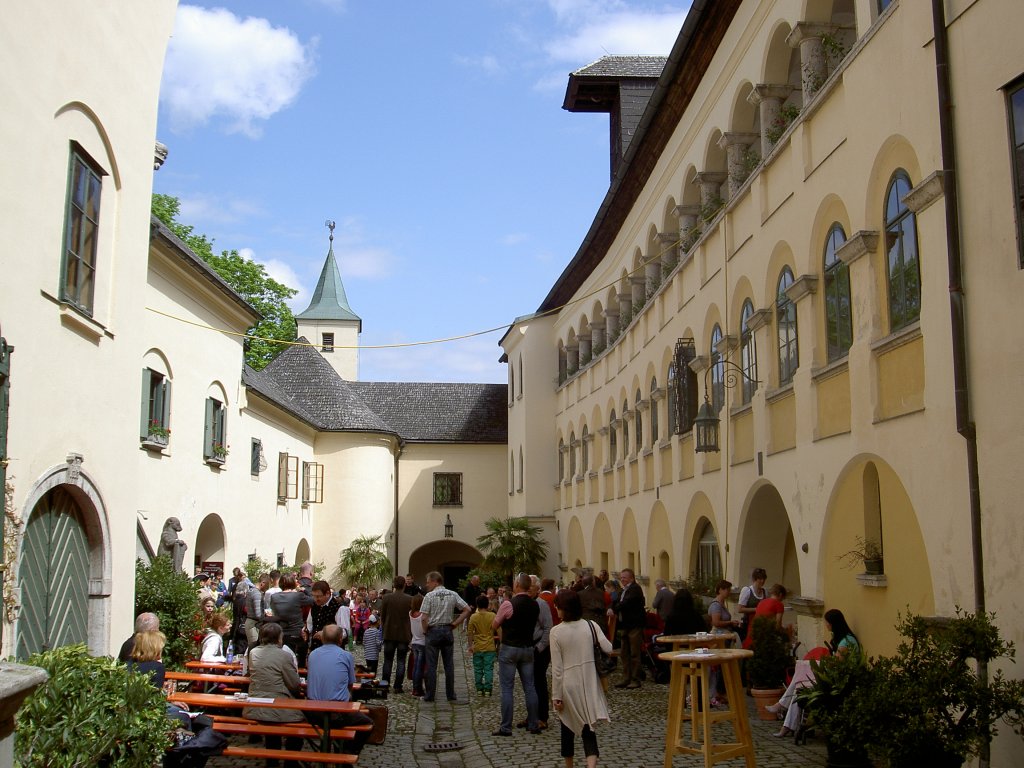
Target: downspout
x,y
961,389
398,453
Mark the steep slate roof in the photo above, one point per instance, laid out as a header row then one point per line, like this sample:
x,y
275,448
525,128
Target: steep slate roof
x,y
329,300
431,412
624,66
302,382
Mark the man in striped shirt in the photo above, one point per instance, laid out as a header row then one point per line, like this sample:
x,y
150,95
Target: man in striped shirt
x,y
438,616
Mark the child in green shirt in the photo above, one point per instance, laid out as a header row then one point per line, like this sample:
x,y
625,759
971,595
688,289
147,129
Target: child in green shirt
x,y
481,646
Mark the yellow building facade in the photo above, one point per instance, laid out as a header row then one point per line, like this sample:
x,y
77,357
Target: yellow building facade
x,y
775,241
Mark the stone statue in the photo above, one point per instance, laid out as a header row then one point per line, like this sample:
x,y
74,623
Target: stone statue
x,y
170,544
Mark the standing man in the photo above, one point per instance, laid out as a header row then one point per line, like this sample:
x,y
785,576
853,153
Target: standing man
x,y
518,619
411,587
394,622
472,591
330,675
254,609
541,654
547,594
632,616
662,602
322,613
436,613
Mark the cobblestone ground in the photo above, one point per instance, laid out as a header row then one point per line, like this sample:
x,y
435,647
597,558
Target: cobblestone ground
x,y
635,737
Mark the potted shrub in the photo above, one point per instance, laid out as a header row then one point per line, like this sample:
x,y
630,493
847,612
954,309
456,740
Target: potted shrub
x,y
868,552
767,669
839,705
937,710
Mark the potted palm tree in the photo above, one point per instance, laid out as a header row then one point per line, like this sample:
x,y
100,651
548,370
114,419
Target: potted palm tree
x,y
767,669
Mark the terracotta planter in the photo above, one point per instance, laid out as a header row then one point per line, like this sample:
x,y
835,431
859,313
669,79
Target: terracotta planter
x,y
764,697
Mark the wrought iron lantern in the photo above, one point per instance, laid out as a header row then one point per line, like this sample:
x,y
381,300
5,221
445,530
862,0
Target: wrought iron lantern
x,y
706,428
449,528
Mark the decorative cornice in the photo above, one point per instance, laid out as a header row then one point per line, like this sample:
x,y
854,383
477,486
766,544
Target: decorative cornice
x,y
687,209
930,189
764,91
861,242
730,138
727,344
759,319
657,394
700,363
809,30
802,286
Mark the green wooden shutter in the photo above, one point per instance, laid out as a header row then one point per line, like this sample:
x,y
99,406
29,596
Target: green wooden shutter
x,y
208,427
147,383
165,404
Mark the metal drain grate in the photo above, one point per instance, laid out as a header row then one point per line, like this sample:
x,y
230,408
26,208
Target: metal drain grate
x,y
443,746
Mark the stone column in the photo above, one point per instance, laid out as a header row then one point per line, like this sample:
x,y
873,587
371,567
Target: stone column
x,y
669,254
813,65
768,99
597,339
626,307
562,364
611,316
652,274
638,284
689,215
572,357
586,351
735,146
710,183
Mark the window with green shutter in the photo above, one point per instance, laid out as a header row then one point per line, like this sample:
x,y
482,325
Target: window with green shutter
x,y
155,410
215,447
81,231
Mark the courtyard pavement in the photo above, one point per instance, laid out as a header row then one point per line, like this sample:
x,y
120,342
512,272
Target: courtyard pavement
x,y
635,737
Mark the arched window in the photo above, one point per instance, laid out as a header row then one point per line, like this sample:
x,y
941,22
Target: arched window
x,y
717,371
903,275
748,352
670,400
625,429
520,374
585,450
561,459
511,382
612,445
572,455
654,412
785,323
709,559
512,472
838,312
520,486
638,417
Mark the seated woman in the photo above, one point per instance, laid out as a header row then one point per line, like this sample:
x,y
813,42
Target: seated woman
x,y
842,643
147,658
683,618
770,606
273,675
213,642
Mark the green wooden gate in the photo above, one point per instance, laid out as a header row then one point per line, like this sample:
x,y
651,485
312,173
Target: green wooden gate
x,y
54,576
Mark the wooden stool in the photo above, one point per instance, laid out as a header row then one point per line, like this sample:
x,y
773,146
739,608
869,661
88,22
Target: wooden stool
x,y
695,668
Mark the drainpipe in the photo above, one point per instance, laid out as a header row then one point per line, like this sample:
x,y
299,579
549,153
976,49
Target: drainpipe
x,y
961,389
398,453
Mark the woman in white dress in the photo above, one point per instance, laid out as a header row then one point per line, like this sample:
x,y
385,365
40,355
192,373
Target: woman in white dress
x,y
576,690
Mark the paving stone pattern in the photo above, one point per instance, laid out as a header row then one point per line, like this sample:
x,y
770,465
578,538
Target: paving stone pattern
x,y
635,737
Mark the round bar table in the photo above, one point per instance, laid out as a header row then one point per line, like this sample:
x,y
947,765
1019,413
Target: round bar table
x,y
697,640
694,667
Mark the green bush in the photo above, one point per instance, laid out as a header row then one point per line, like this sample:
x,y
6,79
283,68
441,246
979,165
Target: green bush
x,y
767,669
171,595
91,712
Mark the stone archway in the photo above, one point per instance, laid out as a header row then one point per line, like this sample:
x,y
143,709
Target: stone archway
x,y
766,541
302,552
66,498
210,541
659,544
576,549
452,558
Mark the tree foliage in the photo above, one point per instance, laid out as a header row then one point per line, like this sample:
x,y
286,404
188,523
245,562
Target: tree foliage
x,y
512,544
91,712
363,563
248,278
172,596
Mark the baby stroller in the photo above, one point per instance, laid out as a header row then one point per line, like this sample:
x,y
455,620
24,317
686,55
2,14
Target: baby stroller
x,y
660,671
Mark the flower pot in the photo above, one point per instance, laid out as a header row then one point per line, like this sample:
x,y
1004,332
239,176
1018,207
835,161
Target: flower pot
x,y
874,566
764,697
154,443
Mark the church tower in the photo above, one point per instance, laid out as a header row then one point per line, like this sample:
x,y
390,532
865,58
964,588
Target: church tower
x,y
329,321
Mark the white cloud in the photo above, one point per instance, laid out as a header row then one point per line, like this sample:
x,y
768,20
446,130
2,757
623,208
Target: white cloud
x,y
514,238
486,64
466,360
236,71
200,210
619,33
285,275
368,263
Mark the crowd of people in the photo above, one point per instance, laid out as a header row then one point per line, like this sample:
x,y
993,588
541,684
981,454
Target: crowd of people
x,y
281,622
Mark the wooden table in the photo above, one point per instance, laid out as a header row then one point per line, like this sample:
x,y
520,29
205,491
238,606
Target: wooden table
x,y
324,708
217,665
697,640
695,667
209,681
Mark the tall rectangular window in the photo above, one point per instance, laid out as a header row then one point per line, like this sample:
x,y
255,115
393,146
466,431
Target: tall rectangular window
x,y
447,489
312,483
256,461
155,424
328,342
81,231
287,477
1015,109
214,433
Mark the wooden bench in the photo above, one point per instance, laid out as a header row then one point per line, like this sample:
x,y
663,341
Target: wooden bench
x,y
259,753
255,728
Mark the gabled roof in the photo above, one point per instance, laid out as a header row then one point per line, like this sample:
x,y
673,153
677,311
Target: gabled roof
x,y
329,301
304,384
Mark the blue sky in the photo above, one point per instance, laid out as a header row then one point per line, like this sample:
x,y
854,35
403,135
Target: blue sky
x,y
431,132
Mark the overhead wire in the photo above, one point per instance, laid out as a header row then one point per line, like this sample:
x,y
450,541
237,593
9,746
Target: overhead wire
x,y
399,345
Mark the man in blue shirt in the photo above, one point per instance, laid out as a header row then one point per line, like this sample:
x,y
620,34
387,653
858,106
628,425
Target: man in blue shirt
x,y
331,671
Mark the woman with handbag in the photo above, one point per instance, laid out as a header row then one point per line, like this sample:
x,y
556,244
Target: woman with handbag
x,y
576,690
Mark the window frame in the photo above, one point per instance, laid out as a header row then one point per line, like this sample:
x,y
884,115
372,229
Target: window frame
x,y
572,455
748,353
256,457
638,420
613,444
327,342
788,342
215,430
86,264
717,370
454,489
1016,89
156,405
561,459
895,228
519,487
287,477
836,290
625,429
654,412
312,483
